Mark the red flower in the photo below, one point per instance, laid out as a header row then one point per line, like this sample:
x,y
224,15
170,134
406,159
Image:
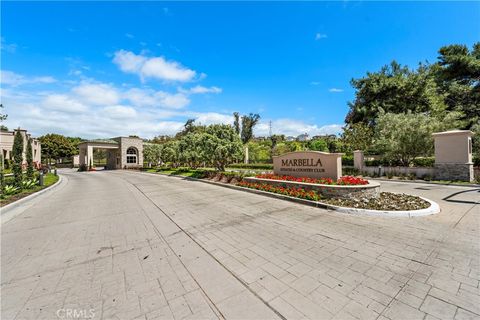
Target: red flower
x,y
290,191
346,180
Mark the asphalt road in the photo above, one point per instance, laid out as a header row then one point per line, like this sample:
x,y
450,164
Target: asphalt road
x,y
126,245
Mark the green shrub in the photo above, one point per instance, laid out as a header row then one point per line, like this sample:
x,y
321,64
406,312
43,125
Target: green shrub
x,y
427,177
350,171
347,160
260,166
476,162
200,174
7,164
390,175
365,174
373,163
17,155
10,189
28,184
412,176
424,162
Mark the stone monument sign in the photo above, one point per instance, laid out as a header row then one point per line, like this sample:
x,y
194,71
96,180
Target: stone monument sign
x,y
312,164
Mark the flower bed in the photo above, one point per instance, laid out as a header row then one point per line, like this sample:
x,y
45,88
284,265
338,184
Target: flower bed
x,y
345,187
344,181
386,202
292,192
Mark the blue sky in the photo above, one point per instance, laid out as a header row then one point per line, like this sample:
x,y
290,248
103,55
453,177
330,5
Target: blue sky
x,y
119,68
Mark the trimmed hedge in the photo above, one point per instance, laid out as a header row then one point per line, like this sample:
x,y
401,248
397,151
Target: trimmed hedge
x,y
261,166
418,162
476,161
424,162
347,160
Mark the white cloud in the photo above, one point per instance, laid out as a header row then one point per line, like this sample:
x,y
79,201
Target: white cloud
x,y
92,109
15,79
8,47
290,127
335,90
175,101
319,36
211,117
315,83
96,122
128,61
97,93
152,67
41,113
200,90
166,70
120,112
141,97
64,103
151,98
129,35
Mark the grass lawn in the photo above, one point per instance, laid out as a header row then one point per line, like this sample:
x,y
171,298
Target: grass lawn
x,y
48,180
176,172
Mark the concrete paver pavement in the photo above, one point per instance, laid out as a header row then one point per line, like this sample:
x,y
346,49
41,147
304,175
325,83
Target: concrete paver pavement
x,y
126,245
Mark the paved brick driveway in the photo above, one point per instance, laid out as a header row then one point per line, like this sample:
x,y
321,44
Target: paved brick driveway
x,y
123,245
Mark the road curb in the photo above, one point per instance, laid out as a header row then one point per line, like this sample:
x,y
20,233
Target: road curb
x,y
433,209
8,211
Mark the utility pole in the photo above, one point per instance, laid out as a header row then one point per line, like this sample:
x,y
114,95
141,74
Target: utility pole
x,y
270,128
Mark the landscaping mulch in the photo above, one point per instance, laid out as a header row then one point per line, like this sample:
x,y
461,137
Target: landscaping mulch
x,y
385,201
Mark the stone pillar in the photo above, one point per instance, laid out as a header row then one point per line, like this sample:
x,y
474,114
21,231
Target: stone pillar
x,y
89,156
358,159
246,155
81,156
453,155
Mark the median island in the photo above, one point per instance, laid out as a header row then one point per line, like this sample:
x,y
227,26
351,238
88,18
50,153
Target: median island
x,y
345,192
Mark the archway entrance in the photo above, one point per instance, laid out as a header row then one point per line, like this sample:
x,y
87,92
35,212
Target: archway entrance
x,y
120,152
110,149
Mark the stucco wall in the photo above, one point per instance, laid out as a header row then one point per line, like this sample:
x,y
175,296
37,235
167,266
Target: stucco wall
x,y
6,145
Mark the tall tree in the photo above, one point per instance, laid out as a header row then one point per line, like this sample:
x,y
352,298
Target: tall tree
x,y
394,89
458,76
2,174
248,123
29,158
400,144
17,153
236,122
318,145
56,146
3,117
190,127
222,145
357,136
152,153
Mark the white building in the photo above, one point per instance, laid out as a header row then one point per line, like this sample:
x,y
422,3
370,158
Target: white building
x,y
6,146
